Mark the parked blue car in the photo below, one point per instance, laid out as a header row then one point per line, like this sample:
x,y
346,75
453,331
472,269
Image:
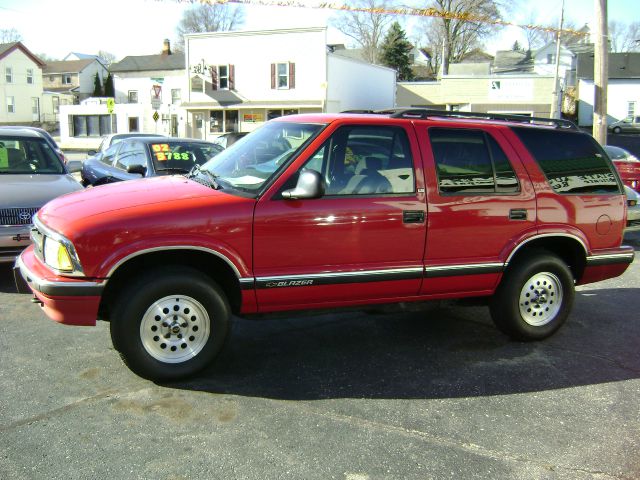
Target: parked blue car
x,y
146,157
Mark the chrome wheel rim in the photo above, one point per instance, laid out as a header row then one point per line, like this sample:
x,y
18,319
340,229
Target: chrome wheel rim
x,y
540,299
175,329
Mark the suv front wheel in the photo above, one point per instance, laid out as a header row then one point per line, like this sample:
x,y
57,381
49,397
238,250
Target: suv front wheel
x,y
170,323
534,297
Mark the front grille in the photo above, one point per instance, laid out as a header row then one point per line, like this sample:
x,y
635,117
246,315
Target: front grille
x,y
17,216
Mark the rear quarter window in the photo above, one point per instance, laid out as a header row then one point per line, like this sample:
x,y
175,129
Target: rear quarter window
x,y
573,162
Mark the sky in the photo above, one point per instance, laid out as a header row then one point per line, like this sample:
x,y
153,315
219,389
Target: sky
x,y
138,27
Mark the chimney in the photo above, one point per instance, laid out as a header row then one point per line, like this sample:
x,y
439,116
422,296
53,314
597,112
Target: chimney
x,y
166,47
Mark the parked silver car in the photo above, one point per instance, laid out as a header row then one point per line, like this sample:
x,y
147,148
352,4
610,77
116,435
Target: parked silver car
x,y
31,174
633,210
628,125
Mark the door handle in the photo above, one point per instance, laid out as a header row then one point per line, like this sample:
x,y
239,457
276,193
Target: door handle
x,y
518,214
412,216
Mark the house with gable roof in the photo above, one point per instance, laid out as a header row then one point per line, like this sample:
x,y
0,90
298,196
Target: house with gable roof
x,y
20,84
73,77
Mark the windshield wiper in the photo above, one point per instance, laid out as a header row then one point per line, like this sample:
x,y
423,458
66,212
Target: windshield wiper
x,y
211,178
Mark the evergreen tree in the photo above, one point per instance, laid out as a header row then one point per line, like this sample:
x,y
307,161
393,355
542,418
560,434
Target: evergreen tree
x,y
97,86
395,50
516,47
109,91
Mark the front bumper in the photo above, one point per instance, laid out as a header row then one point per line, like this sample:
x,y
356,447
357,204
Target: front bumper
x,y
71,301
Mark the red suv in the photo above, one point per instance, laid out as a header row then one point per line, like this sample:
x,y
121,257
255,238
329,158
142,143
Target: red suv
x,y
325,211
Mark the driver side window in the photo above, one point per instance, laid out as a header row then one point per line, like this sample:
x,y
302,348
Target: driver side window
x,y
365,160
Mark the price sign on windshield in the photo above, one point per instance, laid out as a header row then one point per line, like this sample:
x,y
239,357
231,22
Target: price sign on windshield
x,y
163,152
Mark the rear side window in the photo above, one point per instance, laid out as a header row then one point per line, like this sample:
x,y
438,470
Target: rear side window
x,y
471,162
572,162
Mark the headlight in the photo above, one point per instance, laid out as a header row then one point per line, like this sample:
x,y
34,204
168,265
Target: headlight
x,y
56,255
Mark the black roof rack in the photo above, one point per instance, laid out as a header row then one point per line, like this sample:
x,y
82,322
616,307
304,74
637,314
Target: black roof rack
x,y
359,111
423,113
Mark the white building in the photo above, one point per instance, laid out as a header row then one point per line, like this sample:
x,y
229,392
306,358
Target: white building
x,y
238,80
144,85
623,92
155,83
20,84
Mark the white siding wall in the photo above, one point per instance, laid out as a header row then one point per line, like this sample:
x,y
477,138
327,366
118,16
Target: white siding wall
x,y
87,77
619,93
19,89
356,85
252,54
122,114
541,67
142,82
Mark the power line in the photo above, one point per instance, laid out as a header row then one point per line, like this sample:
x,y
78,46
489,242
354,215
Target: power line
x,y
404,11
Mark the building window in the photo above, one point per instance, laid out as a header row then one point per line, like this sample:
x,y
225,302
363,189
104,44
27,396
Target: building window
x,y
223,77
30,76
55,101
133,124
11,105
175,95
66,79
215,121
133,96
91,125
8,74
283,75
550,58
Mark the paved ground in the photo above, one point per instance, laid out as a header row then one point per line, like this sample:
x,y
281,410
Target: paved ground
x,y
352,396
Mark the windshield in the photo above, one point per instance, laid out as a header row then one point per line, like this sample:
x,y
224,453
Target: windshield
x,y
20,155
181,156
252,160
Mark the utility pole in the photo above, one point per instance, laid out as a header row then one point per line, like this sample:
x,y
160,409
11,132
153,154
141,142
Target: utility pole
x,y
600,73
555,108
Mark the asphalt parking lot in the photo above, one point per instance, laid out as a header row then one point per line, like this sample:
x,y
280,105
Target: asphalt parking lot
x,y
355,396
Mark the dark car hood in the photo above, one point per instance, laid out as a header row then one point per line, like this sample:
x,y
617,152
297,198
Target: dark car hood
x,y
33,191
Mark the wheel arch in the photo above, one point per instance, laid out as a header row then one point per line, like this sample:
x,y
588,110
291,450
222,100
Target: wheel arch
x,y
212,264
569,248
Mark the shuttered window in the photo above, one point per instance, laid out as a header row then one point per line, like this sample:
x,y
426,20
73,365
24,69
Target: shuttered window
x,y
283,76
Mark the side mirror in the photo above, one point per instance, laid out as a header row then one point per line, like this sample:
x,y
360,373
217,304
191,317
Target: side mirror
x,y
137,168
91,153
310,185
74,166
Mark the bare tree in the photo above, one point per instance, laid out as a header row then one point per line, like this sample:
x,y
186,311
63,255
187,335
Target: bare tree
x,y
209,18
624,37
9,35
366,28
449,39
46,57
108,57
539,37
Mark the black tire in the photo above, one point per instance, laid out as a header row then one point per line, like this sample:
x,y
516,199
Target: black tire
x,y
179,302
617,130
525,305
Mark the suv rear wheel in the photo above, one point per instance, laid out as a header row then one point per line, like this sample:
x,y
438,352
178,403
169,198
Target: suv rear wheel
x,y
170,323
534,298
